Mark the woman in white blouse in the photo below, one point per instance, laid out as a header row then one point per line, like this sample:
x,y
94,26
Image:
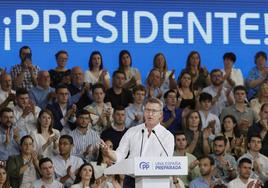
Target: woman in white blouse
x,y
85,177
45,137
96,73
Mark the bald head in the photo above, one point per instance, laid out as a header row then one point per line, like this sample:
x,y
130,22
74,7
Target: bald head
x,y
43,79
77,75
6,82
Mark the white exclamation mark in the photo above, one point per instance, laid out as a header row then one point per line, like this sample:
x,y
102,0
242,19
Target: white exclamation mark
x,y
266,28
7,21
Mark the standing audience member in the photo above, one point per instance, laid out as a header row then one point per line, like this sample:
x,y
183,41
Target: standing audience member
x,y
47,180
7,95
65,164
261,128
96,73
4,181
132,74
24,74
172,115
231,76
118,129
23,168
42,94
60,75
86,140
9,134
243,180
222,97
154,85
244,115
258,74
117,95
45,137
101,113
135,111
25,112
225,163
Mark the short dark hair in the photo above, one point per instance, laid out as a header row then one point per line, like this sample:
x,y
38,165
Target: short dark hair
x,y
21,91
67,137
60,52
260,54
211,160
61,86
119,108
5,109
178,133
25,48
44,160
221,138
215,70
168,92
229,55
139,88
82,112
244,160
118,72
24,138
205,96
240,87
98,86
254,135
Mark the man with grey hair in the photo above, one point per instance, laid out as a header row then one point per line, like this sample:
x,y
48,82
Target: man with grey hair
x,y
151,138
42,94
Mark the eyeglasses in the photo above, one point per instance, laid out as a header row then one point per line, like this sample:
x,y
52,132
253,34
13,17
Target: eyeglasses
x,y
153,111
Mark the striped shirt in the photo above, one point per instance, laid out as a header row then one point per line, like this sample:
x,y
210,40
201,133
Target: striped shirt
x,y
82,141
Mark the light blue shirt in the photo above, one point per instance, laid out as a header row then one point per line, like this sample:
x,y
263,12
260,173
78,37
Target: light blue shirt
x,y
39,95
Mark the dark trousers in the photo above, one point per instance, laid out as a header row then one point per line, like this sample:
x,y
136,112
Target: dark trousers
x,y
129,182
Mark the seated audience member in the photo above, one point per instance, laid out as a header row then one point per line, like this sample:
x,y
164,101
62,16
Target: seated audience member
x,y
225,163
61,110
25,112
101,113
167,76
231,76
206,180
208,119
60,75
24,74
132,74
200,75
85,177
257,75
86,140
118,129
79,90
186,95
243,180
261,128
42,94
244,115
235,140
65,164
46,170
198,144
7,95
45,137
96,73
4,180
117,95
135,111
154,84
172,115
222,97
260,99
180,150
9,134
259,161
23,168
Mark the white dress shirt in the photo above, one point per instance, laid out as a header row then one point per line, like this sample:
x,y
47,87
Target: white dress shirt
x,y
238,183
3,97
211,117
39,183
132,139
236,76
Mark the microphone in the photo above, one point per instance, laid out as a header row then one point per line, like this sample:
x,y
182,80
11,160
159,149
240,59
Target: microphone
x,y
142,131
160,142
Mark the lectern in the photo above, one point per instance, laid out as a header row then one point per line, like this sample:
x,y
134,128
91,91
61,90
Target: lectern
x,y
150,172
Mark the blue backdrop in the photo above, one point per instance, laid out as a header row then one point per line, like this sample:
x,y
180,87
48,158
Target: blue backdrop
x,y
142,27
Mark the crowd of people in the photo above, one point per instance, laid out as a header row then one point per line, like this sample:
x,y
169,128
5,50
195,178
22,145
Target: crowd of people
x,y
62,127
